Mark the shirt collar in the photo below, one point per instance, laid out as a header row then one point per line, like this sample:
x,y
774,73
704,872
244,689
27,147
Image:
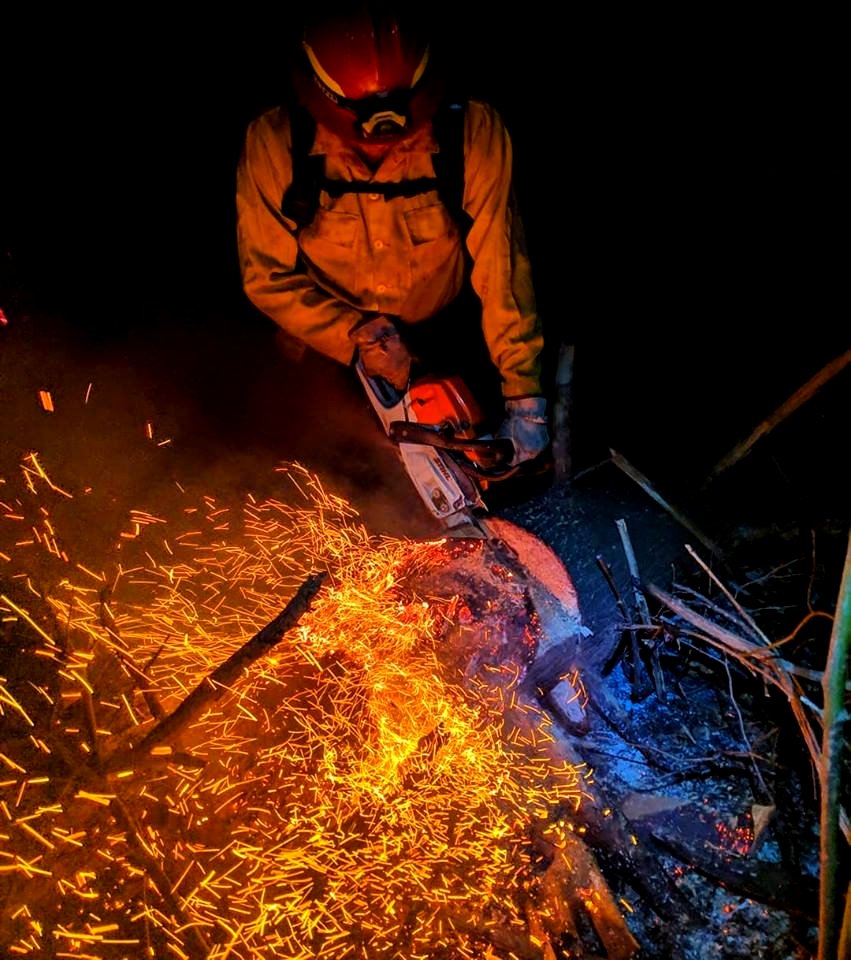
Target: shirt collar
x,y
326,142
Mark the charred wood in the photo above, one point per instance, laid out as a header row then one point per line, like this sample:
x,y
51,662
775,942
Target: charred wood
x,y
766,883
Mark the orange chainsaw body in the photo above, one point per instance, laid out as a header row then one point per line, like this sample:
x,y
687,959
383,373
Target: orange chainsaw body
x,y
447,402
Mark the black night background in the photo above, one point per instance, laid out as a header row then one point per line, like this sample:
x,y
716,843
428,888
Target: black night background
x,y
679,175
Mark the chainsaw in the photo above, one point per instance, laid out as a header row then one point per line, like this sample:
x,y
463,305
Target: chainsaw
x,y
437,426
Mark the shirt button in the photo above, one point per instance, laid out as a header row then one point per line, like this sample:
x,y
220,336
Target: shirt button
x,y
373,196
378,244
381,288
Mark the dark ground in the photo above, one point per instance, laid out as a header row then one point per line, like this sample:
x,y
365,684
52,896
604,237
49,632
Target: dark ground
x,y
678,181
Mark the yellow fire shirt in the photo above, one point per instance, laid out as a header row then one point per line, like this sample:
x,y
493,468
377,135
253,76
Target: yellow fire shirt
x,y
397,255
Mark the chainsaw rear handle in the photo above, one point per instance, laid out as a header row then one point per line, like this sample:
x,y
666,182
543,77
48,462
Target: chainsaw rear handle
x,y
491,453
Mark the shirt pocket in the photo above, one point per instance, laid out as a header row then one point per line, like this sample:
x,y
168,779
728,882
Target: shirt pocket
x,y
425,224
329,247
329,226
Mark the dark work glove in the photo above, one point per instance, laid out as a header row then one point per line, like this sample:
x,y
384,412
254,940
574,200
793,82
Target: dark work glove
x,y
382,352
525,425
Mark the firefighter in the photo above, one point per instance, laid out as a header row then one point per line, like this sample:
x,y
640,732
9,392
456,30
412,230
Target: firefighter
x,y
360,234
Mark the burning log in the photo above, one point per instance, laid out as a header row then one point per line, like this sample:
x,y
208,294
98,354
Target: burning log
x,y
764,882
491,648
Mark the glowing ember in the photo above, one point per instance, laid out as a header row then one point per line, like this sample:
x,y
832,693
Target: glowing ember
x,y
346,798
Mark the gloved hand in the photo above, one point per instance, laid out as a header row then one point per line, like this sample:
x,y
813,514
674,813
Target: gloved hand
x,y
525,425
382,352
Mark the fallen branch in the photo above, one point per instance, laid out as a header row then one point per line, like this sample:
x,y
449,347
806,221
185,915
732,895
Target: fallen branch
x,y
746,617
213,686
756,659
780,414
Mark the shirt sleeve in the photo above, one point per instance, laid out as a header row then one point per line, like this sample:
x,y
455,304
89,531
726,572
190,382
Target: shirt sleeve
x,y
272,276
501,273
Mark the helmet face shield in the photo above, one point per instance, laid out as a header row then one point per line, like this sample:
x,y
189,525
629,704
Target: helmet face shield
x,y
368,75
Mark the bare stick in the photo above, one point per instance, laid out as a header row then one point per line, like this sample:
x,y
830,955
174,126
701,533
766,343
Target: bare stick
x,y
640,601
213,686
561,412
628,634
780,414
623,464
610,580
830,771
632,566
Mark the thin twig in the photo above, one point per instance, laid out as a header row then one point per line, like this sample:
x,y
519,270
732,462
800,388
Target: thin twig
x,y
591,469
749,620
744,734
812,615
610,580
713,607
767,576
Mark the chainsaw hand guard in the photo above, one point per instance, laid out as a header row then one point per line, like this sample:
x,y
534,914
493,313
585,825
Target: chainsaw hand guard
x,y
488,455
